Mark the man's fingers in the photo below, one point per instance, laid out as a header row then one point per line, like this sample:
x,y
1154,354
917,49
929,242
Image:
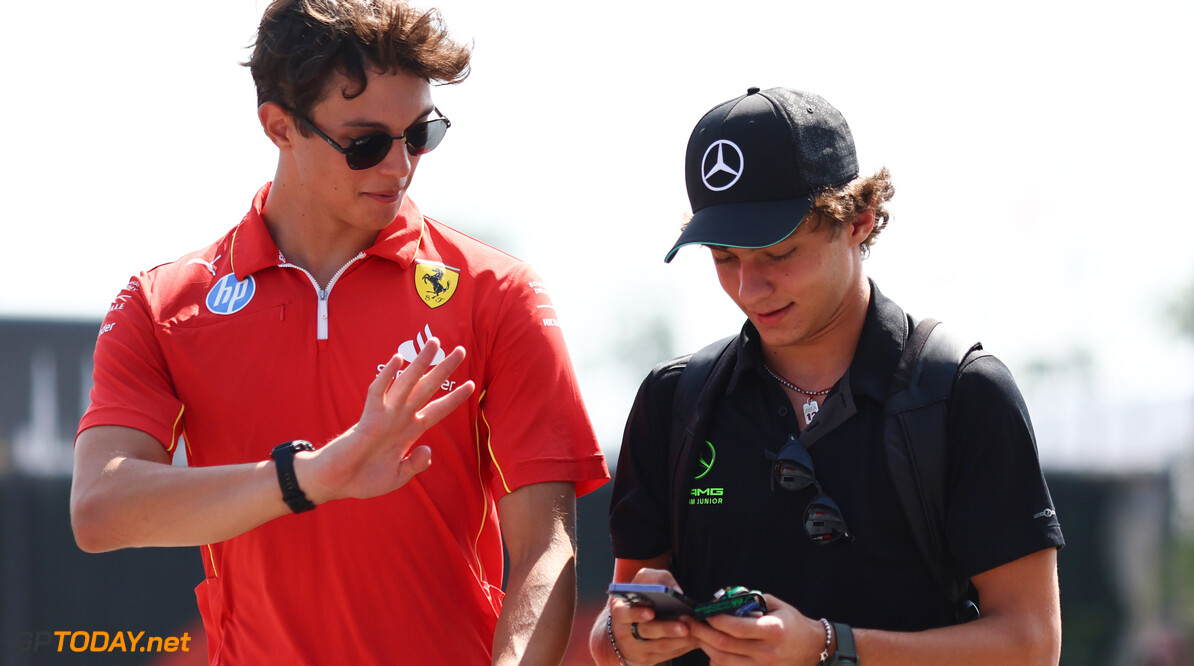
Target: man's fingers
x,y
774,603
625,613
418,399
381,383
437,409
657,577
420,380
661,629
661,640
418,460
418,365
722,648
738,627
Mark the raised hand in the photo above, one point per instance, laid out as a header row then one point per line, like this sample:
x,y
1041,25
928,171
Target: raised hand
x,y
375,456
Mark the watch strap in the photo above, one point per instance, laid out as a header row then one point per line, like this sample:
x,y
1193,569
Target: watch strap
x,y
846,654
283,455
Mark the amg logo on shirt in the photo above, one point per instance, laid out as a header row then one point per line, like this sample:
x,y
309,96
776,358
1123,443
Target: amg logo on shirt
x,y
705,496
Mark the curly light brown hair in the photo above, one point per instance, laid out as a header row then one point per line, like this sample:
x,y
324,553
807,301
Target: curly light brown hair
x,y
841,206
302,44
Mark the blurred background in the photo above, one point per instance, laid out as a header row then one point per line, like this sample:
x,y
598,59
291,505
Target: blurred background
x,y
1041,156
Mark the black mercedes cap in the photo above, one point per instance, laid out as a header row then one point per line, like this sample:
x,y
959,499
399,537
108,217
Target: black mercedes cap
x,y
755,163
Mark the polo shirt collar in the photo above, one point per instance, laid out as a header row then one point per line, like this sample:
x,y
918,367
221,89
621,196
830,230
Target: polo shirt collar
x,y
400,241
253,249
879,347
884,332
750,357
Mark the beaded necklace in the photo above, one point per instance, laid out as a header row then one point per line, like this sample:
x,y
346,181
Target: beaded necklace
x,y
810,405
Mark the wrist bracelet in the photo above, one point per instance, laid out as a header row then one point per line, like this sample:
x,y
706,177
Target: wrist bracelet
x,y
828,642
609,631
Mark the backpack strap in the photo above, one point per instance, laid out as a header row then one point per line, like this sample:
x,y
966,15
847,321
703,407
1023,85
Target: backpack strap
x,y
915,441
689,403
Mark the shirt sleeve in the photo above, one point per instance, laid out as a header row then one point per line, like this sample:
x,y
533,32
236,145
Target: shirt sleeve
x,y
640,509
533,417
999,508
130,384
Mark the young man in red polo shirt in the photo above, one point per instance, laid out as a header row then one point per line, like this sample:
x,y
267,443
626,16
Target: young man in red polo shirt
x,y
302,359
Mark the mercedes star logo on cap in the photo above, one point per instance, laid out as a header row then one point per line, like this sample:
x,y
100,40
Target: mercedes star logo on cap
x,y
733,167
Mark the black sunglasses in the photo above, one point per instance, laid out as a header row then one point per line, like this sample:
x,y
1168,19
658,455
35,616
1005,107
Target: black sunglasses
x,y
793,471
368,151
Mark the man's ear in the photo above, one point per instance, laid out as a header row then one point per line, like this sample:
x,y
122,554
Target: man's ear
x,y
277,123
862,226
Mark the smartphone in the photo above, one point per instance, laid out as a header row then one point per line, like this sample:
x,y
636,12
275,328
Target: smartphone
x,y
737,601
666,602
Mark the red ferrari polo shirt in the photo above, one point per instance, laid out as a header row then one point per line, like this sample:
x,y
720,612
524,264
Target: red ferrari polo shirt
x,y
233,350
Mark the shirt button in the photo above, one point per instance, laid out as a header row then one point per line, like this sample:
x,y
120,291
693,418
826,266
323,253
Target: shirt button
x,y
783,411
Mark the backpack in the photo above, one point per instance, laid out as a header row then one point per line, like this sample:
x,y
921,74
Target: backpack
x,y
914,440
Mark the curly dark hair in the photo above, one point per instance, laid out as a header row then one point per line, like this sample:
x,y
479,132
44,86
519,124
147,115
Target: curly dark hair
x,y
302,44
841,206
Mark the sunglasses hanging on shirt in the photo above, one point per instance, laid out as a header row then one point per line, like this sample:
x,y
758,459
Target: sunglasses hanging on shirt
x,y
793,471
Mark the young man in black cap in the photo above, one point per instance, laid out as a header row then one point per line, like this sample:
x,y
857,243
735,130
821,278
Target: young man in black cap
x,y
778,476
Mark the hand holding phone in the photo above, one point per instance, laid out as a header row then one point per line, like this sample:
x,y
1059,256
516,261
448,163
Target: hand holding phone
x,y
737,601
667,603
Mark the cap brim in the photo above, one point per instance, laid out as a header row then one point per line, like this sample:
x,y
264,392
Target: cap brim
x,y
750,225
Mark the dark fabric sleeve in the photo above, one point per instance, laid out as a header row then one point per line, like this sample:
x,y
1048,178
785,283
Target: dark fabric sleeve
x,y
999,508
639,513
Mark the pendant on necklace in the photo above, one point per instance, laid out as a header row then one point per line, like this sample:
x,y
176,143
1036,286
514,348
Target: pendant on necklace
x,y
810,410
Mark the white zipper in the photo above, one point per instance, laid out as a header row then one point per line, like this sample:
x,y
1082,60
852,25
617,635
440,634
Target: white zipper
x,y
321,317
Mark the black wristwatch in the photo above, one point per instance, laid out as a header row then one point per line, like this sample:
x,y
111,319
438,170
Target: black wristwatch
x,y
846,654
283,455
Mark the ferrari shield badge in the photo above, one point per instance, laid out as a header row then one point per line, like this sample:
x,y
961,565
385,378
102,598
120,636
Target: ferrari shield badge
x,y
435,282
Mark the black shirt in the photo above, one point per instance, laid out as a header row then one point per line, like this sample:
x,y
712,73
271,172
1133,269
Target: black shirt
x,y
739,530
